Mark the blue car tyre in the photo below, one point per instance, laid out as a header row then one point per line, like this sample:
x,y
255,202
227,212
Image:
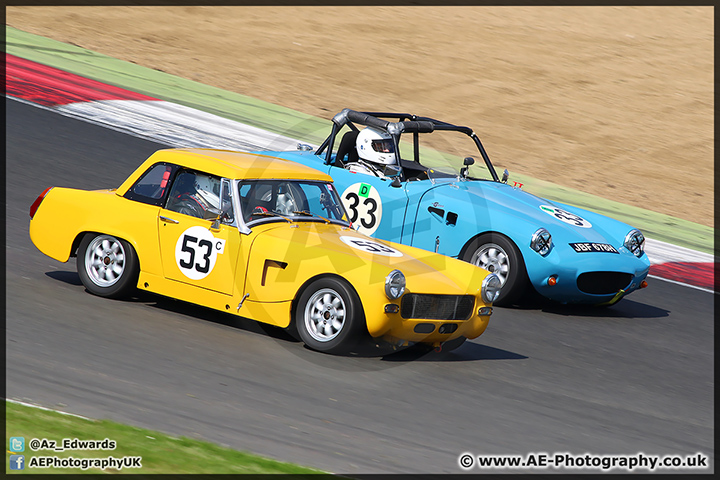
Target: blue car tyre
x,y
107,266
499,255
329,316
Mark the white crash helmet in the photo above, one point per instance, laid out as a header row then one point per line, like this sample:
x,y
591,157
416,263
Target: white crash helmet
x,y
209,189
375,146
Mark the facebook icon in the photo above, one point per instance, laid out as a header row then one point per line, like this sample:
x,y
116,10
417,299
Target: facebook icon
x,y
17,462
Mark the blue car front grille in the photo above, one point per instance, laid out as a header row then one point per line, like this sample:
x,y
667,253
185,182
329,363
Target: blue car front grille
x,y
603,283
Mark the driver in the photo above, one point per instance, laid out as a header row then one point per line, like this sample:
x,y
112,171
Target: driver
x,y
376,152
194,194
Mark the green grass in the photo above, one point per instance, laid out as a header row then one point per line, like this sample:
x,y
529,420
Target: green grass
x,y
160,453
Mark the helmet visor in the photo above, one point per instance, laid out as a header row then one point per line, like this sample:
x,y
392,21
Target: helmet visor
x,y
384,145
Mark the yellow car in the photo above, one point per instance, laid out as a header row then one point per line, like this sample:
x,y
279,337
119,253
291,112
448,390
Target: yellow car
x,y
264,238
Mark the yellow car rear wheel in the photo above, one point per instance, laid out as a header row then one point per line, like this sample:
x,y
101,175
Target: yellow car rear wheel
x,y
107,266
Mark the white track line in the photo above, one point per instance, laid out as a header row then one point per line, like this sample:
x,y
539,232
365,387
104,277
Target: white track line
x,y
46,409
177,125
662,252
683,284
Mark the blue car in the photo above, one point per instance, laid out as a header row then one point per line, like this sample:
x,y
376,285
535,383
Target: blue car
x,y
433,195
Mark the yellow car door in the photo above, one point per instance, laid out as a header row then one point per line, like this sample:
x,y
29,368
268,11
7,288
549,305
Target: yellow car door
x,y
200,251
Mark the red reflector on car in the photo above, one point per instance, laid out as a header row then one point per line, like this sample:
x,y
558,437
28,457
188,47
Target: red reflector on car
x,y
38,201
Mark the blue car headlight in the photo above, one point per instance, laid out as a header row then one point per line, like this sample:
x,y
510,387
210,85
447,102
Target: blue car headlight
x,y
635,242
541,241
490,288
394,284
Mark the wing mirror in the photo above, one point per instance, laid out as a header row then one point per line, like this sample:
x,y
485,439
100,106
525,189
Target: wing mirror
x,y
214,214
505,176
467,162
393,171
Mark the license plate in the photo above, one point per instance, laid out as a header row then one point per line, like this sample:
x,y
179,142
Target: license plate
x,y
593,248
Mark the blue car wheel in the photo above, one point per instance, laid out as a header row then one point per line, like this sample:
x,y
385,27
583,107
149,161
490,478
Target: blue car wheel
x,y
499,255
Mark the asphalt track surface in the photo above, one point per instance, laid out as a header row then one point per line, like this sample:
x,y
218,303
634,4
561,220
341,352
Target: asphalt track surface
x,y
635,377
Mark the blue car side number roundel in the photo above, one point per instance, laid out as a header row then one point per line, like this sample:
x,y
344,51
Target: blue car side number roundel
x,y
364,205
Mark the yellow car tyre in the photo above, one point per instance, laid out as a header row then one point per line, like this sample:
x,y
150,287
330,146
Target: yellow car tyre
x,y
498,254
329,316
107,266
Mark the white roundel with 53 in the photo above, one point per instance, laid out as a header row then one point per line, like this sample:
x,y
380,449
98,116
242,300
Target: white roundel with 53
x,y
370,246
196,252
565,216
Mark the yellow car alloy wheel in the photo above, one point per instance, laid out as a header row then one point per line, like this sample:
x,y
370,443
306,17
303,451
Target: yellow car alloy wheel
x,y
325,315
329,316
107,266
105,261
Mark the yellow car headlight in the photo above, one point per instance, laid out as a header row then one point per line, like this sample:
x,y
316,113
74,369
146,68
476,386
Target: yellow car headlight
x,y
394,284
490,288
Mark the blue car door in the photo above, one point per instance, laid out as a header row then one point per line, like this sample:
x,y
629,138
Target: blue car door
x,y
444,216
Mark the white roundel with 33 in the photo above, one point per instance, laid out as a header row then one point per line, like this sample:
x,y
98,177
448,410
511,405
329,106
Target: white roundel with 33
x,y
565,216
364,205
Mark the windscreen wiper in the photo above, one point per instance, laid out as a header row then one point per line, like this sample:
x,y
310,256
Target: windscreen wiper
x,y
272,214
310,214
